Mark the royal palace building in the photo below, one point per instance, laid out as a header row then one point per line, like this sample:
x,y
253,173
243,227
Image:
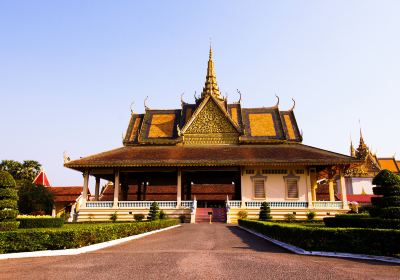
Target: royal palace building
x,y
213,156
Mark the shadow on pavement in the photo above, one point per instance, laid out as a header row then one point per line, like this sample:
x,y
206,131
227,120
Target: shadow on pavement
x,y
255,243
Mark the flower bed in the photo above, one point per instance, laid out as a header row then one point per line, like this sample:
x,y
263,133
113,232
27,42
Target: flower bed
x,y
74,236
348,240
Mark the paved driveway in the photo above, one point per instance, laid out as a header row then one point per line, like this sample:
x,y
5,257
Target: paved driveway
x,y
201,251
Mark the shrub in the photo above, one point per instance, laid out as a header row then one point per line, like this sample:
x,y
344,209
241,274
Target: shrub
x,y
162,215
154,213
388,206
74,236
8,226
350,240
311,216
386,178
290,218
114,217
182,218
265,211
8,202
34,199
242,214
138,217
361,222
40,222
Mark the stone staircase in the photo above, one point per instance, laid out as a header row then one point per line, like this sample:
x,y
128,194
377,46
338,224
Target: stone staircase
x,y
219,215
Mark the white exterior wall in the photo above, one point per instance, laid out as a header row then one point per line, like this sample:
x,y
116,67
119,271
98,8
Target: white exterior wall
x,y
275,187
355,185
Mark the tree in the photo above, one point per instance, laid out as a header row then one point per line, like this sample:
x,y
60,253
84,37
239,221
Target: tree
x,y
27,170
265,211
34,198
388,185
8,202
154,213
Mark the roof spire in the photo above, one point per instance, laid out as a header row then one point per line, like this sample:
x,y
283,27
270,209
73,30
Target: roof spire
x,y
211,86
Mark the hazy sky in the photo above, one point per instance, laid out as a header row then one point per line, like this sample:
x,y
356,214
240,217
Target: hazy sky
x,y
70,69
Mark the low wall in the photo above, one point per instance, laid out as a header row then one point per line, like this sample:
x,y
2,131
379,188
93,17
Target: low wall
x,y
279,214
126,214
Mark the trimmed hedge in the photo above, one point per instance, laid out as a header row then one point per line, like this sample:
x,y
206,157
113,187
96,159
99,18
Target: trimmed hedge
x,y
361,222
7,226
392,190
349,240
41,222
8,215
386,178
8,204
9,193
74,236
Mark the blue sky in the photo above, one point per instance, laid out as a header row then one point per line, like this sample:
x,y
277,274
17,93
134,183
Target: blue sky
x,y
70,69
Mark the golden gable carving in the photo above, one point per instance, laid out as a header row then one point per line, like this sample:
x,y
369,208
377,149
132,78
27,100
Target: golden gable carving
x,y
211,126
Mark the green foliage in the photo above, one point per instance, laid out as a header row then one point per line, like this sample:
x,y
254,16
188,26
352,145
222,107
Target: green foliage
x,y
182,218
6,180
265,211
114,217
390,213
154,213
40,222
311,215
138,217
290,218
8,215
350,240
163,215
361,222
242,214
9,194
8,226
8,202
27,170
74,236
387,190
386,178
34,199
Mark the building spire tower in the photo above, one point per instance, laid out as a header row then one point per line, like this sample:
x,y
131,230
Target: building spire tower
x,y
211,86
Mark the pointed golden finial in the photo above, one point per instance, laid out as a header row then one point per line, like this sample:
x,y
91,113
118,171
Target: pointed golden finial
x,y
211,86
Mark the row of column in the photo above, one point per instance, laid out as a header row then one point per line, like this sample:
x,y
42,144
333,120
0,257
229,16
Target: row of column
x,y
117,187
312,194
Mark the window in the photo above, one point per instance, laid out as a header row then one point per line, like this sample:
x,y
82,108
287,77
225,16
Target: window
x,y
292,186
249,171
259,190
274,171
259,186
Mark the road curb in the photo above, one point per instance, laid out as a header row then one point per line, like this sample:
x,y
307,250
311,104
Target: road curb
x,y
85,249
301,251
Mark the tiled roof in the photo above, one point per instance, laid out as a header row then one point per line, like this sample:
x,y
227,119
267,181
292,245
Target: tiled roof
x,y
389,163
264,124
230,155
66,193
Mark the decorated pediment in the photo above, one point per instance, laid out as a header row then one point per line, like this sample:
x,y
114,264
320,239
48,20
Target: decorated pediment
x,y
210,124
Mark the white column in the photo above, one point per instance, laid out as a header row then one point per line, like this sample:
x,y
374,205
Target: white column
x,y
97,188
309,192
85,187
116,188
331,190
242,187
344,191
179,188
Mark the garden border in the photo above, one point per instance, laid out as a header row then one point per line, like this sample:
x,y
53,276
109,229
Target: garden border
x,y
85,249
301,251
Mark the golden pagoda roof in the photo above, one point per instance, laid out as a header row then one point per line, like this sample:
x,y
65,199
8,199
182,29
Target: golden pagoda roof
x,y
211,86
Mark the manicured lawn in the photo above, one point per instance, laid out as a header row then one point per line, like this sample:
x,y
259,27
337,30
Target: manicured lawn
x,y
74,235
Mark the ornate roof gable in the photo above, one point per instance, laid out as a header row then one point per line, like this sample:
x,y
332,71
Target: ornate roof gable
x,y
210,124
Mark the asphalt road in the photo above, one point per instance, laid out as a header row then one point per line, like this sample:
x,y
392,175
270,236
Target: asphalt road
x,y
200,251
